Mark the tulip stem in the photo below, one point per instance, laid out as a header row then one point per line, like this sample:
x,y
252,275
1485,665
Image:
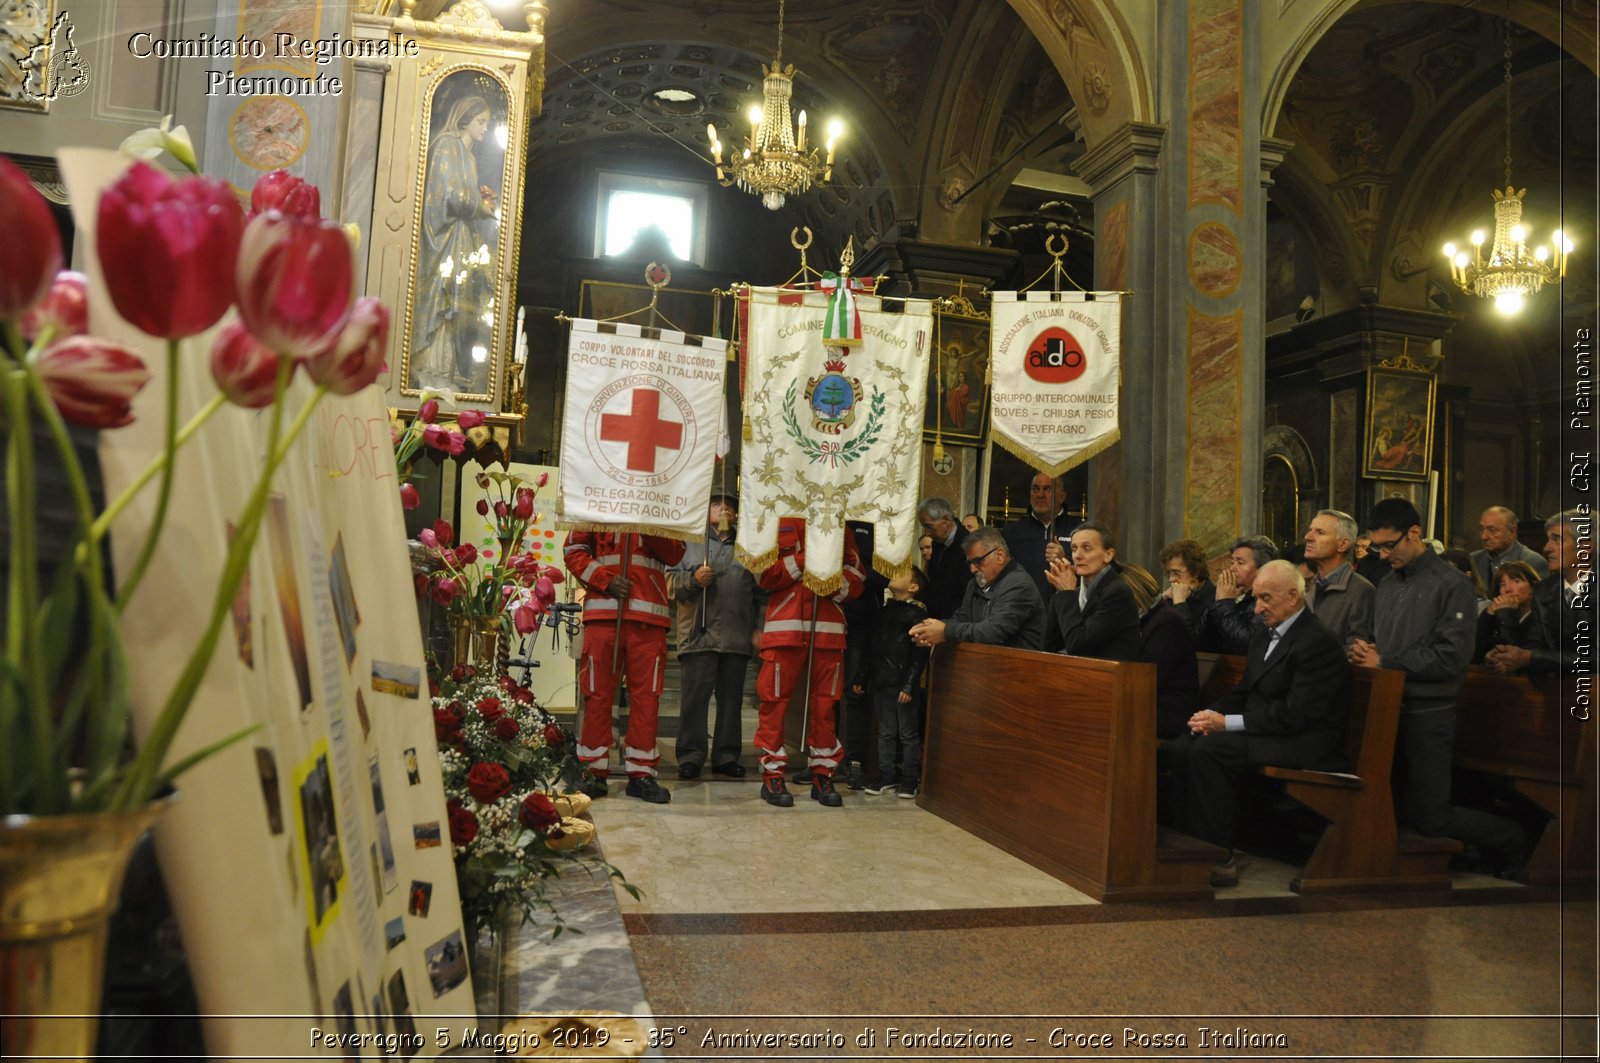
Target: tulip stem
x,y
144,775
102,524
169,443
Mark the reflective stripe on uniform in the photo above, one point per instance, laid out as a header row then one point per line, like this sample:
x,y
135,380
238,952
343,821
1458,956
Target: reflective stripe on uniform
x,y
823,627
790,567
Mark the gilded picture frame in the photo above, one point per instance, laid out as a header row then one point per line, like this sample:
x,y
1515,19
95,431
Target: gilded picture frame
x,y
957,410
1398,441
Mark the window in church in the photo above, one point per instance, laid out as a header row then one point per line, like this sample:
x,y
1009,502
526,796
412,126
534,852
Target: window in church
x,y
640,216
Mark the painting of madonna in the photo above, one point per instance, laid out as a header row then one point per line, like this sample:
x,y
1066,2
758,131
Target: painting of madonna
x,y
452,332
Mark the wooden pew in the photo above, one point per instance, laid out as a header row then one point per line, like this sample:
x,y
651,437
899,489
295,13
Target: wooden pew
x,y
1360,849
1052,759
1513,728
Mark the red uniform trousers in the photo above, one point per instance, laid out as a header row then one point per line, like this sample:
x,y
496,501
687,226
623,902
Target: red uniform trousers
x,y
782,669
644,655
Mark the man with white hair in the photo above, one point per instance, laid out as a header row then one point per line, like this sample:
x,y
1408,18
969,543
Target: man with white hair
x,y
1561,602
1340,597
1497,530
1289,709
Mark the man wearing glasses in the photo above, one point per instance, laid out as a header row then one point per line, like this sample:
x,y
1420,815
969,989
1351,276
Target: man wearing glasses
x,y
1423,625
1001,606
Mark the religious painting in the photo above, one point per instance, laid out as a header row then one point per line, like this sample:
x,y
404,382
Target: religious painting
x,y
1399,435
457,332
958,375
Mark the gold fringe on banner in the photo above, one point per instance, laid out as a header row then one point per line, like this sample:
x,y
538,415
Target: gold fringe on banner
x,y
1032,459
756,563
890,569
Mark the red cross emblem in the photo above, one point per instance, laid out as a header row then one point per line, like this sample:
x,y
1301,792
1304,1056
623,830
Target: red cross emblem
x,y
643,429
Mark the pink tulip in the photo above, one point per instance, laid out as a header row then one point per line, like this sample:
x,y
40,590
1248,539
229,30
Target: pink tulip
x,y
33,246
469,419
295,282
243,368
427,538
167,248
409,497
525,620
282,191
444,532
483,507
64,309
444,590
523,508
545,587
544,478
92,382
356,360
428,411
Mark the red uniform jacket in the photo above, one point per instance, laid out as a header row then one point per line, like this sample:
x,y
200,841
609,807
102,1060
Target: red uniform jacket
x,y
596,559
792,605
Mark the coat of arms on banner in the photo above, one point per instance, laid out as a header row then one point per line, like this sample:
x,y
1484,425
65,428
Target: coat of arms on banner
x,y
834,405
639,440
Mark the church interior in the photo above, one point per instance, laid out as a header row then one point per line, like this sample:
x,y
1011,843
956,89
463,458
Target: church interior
x,y
1270,183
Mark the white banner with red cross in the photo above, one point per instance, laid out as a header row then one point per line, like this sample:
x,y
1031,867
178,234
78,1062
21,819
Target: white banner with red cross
x,y
1056,370
639,435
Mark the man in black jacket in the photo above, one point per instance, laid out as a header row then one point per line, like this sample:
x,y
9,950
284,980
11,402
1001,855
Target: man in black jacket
x,y
1001,607
1229,622
1424,624
1289,710
1036,538
1561,603
948,575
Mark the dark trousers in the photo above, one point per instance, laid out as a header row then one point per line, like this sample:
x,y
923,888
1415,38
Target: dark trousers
x,y
855,710
1422,756
902,722
1202,782
705,674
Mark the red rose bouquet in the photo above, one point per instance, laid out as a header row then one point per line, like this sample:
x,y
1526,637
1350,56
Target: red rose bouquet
x,y
503,757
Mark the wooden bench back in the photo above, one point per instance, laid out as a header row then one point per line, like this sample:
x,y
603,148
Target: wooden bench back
x,y
1516,726
1374,711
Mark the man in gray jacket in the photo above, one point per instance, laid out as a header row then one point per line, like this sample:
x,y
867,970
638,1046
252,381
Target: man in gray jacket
x,y
1001,606
718,609
1497,530
1339,597
1424,624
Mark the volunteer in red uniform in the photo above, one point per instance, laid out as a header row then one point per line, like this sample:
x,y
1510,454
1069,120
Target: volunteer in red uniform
x,y
791,610
595,558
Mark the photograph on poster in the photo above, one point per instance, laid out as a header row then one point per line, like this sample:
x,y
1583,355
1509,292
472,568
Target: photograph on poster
x,y
403,681
394,931
426,835
283,574
447,963
344,1011
267,769
413,773
345,610
421,898
400,1007
319,841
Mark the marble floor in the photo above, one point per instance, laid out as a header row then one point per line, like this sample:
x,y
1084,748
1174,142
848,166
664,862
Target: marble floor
x,y
880,930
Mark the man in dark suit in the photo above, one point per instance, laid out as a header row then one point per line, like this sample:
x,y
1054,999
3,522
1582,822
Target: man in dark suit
x,y
1289,709
948,574
1562,602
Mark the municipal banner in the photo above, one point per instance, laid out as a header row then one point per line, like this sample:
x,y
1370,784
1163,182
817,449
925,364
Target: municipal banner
x,y
1056,364
639,436
835,430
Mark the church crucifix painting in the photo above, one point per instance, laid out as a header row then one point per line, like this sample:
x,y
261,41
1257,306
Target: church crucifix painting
x,y
454,332
958,388
1399,436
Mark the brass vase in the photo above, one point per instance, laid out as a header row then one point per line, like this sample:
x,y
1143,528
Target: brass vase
x,y
59,881
477,642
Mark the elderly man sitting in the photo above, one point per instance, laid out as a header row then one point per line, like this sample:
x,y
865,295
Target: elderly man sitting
x,y
1289,709
1001,606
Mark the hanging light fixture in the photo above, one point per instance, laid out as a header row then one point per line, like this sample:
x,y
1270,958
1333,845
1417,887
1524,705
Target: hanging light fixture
x,y
776,162
1512,271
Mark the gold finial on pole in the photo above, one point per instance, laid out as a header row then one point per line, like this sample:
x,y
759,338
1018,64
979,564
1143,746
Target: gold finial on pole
x,y
1056,255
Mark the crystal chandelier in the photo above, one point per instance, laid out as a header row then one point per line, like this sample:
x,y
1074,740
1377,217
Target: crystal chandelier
x,y
775,162
1512,271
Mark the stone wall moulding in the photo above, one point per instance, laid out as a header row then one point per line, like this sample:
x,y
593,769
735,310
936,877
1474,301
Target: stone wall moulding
x,y
447,211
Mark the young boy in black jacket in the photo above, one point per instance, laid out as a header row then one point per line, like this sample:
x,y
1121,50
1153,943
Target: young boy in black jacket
x,y
894,674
